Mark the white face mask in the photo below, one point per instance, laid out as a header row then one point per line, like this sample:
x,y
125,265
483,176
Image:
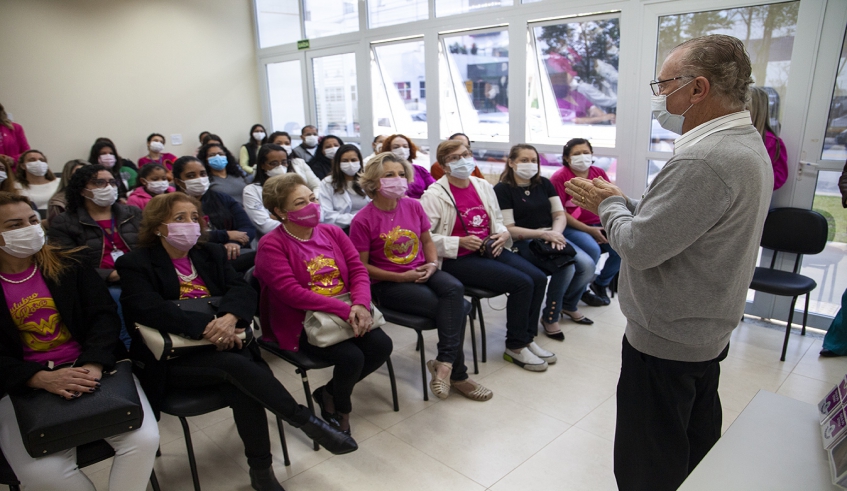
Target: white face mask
x,y
37,168
668,121
23,242
330,152
276,171
259,136
104,196
156,146
197,187
350,168
310,140
3,177
462,168
401,152
157,187
581,162
378,147
526,170
287,149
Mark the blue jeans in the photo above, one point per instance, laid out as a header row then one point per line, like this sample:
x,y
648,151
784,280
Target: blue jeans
x,y
583,274
559,281
587,243
115,292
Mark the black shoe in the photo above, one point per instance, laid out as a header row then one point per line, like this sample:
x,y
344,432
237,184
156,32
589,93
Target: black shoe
x,y
332,439
264,480
600,291
579,320
591,299
828,353
334,419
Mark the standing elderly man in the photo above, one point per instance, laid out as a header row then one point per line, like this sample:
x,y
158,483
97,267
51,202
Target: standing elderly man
x,y
689,251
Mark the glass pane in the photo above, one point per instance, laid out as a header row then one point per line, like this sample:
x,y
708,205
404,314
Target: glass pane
x,y
279,22
336,99
573,82
490,162
389,12
475,86
285,87
453,7
653,168
399,89
835,142
766,30
330,17
824,267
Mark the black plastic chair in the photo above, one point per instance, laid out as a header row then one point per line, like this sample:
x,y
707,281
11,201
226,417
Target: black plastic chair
x,y
794,231
86,455
477,294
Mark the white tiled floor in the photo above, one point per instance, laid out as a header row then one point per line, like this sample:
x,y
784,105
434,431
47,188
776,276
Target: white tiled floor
x,y
551,430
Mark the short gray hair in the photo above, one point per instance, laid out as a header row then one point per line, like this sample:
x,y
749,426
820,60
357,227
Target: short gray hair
x,y
724,62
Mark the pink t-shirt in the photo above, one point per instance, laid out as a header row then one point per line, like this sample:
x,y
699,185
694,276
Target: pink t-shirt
x,y
165,159
565,174
194,288
392,238
43,334
317,254
472,212
111,241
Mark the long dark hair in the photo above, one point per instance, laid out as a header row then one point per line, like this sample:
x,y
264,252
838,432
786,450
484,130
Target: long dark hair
x,y
145,172
251,144
566,150
219,215
508,175
232,167
73,193
339,178
262,156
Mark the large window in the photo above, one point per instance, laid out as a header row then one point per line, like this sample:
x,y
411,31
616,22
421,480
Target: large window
x,y
474,79
453,7
572,81
389,12
335,94
279,21
285,87
330,17
835,142
399,96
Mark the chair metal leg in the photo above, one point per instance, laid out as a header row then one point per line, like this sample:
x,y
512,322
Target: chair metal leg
x,y
478,305
285,459
419,344
788,328
191,462
305,379
805,314
423,366
393,383
154,483
473,340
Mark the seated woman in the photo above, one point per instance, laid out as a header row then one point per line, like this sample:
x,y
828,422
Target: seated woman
x,y
247,155
532,210
272,160
229,224
152,181
35,180
584,229
225,176
458,238
393,240
156,153
302,266
170,264
43,286
103,152
340,194
295,164
405,148
321,163
95,220
58,202
437,171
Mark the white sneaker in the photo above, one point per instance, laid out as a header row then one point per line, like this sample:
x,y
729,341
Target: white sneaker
x,y
542,353
525,359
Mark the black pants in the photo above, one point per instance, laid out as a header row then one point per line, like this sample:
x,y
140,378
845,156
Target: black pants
x,y
353,360
249,386
442,299
669,416
512,274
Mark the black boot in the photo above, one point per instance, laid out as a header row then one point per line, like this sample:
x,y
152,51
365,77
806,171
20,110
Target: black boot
x,y
264,480
328,437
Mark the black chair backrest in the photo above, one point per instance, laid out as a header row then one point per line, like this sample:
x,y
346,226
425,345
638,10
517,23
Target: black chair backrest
x,y
795,230
252,280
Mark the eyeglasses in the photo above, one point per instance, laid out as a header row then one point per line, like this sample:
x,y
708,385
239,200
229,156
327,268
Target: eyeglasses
x,y
452,158
102,183
655,85
277,163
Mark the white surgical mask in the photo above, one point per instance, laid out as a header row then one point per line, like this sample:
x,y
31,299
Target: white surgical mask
x,y
156,146
3,176
350,168
330,152
462,168
104,196
259,136
310,140
157,187
108,160
378,148
667,120
197,187
401,152
37,168
581,162
526,170
23,242
276,171
287,149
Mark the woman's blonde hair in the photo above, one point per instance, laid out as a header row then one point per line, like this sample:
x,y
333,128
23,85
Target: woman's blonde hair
x,y
376,168
158,210
277,189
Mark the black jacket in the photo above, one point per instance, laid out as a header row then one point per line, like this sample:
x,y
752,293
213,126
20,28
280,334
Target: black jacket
x,y
88,312
225,214
300,152
69,230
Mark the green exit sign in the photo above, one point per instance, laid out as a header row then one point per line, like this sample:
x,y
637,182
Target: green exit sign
x,y
303,44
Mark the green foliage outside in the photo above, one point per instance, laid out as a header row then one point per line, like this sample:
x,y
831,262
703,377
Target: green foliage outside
x,y
830,207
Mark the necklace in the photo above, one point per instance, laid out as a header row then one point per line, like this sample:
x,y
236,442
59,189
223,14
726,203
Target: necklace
x,y
189,277
294,236
526,190
18,282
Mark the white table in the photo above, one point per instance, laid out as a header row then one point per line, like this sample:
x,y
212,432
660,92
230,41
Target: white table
x,y
774,444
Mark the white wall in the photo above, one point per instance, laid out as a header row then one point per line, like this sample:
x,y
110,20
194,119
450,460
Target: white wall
x,y
75,70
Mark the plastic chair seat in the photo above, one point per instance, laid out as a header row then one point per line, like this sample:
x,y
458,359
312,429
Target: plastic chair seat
x,y
415,322
93,452
472,291
186,403
296,358
785,283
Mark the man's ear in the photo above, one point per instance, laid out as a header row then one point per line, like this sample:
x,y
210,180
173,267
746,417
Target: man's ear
x,y
700,90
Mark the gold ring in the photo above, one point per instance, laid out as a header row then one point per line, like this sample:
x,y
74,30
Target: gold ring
x,y
220,339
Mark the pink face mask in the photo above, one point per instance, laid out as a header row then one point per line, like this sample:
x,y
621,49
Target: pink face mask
x,y
183,236
393,187
309,216
108,160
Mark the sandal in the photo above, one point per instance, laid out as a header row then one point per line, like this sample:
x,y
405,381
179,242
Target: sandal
x,y
439,387
334,419
473,390
580,320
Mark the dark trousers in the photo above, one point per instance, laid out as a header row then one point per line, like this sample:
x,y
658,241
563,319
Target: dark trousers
x,y
249,386
669,416
353,360
442,299
512,274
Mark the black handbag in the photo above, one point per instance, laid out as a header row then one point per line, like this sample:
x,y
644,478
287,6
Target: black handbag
x,y
50,423
486,250
549,258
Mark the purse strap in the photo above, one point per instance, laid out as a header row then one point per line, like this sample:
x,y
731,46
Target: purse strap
x,y
458,213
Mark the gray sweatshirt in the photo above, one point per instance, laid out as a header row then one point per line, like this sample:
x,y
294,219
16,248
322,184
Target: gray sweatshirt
x,y
689,246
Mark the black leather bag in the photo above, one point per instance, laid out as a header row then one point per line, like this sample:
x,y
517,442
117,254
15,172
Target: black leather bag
x,y
486,250
50,423
549,258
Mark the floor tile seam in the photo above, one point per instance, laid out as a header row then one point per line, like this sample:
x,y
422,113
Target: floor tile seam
x,y
782,368
531,456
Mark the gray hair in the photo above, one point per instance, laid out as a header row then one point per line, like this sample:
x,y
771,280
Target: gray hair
x,y
723,61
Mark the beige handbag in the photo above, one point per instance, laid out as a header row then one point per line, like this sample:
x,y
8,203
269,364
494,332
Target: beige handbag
x,y
166,346
324,329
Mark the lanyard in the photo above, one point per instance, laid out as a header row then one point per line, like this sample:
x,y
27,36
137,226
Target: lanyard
x,y
112,234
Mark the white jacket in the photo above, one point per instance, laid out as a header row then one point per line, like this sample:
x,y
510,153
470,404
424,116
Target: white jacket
x,y
438,205
336,208
259,215
301,167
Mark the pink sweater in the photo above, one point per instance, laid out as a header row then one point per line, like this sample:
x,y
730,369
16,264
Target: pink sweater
x,y
140,197
285,296
13,142
780,164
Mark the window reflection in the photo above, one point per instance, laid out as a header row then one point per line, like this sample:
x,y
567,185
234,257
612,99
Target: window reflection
x,y
835,141
399,91
335,94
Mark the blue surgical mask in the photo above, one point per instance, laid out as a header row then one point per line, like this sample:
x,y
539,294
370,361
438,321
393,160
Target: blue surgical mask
x,y
217,162
462,168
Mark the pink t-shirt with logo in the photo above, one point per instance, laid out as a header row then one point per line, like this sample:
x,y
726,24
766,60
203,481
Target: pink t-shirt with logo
x,y
111,241
194,288
43,335
318,256
472,212
565,174
392,238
